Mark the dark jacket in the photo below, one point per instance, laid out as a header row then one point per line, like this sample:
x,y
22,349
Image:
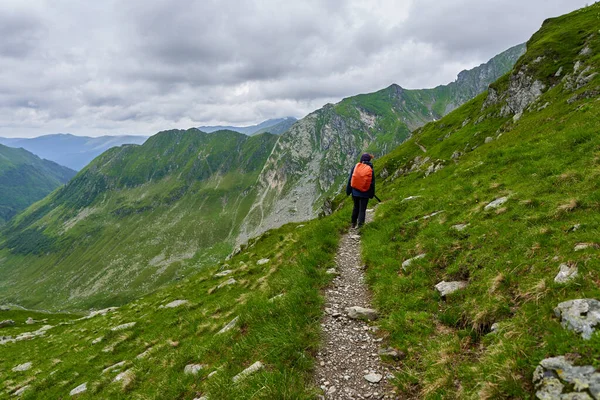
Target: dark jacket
x,y
357,193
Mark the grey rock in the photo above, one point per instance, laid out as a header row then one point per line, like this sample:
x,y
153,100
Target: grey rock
x,y
373,378
113,367
586,51
22,390
489,139
257,366
566,273
559,72
98,340
229,326
126,378
228,282
193,369
581,315
145,353
557,378
122,327
496,203
175,303
446,288
409,198
262,261
460,227
494,328
22,367
357,312
223,273
8,322
389,352
522,91
585,246
331,271
79,389
407,263
272,299
428,216
30,321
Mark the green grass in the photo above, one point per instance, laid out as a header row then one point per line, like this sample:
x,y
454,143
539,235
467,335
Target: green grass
x,y
282,333
548,165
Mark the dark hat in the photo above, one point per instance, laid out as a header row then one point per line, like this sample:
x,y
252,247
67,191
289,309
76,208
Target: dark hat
x,y
366,157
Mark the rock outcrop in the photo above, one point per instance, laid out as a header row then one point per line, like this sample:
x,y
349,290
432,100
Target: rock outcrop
x,y
581,316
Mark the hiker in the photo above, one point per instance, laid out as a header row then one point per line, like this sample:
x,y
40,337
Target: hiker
x,y
361,184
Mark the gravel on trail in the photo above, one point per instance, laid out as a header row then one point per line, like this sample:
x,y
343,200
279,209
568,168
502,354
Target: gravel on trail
x,y
348,364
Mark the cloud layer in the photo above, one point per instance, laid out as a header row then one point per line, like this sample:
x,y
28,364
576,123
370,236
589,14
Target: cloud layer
x,y
138,67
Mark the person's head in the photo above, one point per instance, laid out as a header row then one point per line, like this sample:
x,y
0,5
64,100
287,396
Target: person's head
x,y
366,157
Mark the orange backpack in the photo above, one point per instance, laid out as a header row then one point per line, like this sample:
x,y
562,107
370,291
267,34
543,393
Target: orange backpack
x,y
362,177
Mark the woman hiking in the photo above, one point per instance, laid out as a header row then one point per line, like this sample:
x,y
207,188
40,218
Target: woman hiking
x,y
361,184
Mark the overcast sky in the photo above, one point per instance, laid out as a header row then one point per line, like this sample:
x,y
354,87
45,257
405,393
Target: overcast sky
x,y
138,67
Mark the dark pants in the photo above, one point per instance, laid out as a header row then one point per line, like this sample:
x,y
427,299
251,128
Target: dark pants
x,y
360,210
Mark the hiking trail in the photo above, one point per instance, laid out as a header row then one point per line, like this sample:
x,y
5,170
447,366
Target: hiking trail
x,y
348,364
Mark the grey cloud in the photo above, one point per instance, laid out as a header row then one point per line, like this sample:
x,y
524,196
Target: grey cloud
x,y
20,33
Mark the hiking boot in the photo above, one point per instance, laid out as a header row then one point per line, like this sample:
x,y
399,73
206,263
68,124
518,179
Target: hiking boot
x,y
354,225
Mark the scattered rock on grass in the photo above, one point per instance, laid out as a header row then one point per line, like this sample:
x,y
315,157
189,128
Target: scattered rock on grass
x,y
581,315
228,282
391,353
257,366
262,261
145,353
460,227
79,389
113,367
22,367
8,322
446,288
126,378
496,203
229,326
30,321
585,246
21,391
122,327
331,271
223,273
175,303
408,262
566,273
98,340
193,369
357,312
272,299
409,198
557,378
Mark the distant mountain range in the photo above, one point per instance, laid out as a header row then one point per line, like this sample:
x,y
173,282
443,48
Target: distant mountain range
x,y
69,150
25,179
275,126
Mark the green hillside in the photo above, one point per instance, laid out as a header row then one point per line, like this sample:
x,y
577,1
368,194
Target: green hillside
x,y
25,179
496,195
135,218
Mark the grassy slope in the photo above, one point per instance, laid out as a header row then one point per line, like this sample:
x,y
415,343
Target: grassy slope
x,y
282,333
25,179
548,163
135,218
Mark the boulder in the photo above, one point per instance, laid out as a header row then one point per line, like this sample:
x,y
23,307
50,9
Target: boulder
x,y
229,326
122,327
489,139
175,303
30,321
357,312
257,366
557,378
446,288
193,369
78,390
496,203
262,261
22,367
566,273
8,322
581,316
408,262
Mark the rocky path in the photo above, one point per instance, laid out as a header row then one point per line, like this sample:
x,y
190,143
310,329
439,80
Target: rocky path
x,y
348,365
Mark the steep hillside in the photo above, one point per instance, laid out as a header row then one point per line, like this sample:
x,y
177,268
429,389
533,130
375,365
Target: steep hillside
x,y
72,151
499,197
281,127
25,179
190,339
310,162
135,218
